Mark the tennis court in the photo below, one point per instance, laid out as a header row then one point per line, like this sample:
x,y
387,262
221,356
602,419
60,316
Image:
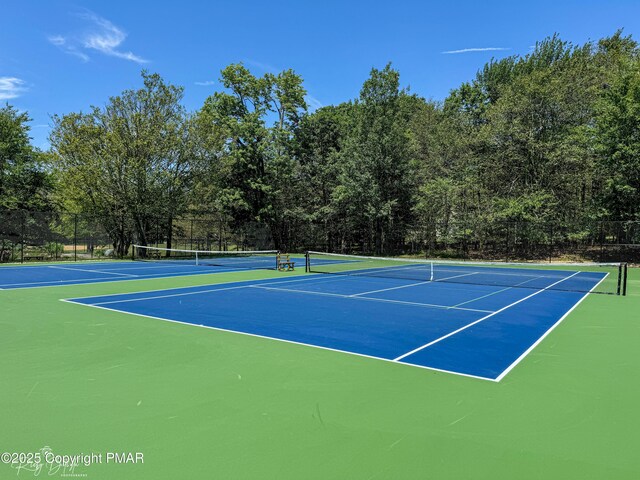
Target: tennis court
x,y
367,362
476,320
180,263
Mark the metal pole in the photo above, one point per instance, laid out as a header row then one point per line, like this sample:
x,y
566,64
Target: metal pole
x,y
24,215
75,237
619,279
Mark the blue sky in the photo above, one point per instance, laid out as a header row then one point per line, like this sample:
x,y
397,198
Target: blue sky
x,y
60,56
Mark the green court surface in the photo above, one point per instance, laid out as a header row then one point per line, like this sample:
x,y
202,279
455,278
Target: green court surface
x,y
201,403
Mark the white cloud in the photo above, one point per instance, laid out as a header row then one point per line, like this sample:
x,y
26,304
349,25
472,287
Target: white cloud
x,y
11,87
262,66
57,40
67,47
101,36
470,50
206,83
313,103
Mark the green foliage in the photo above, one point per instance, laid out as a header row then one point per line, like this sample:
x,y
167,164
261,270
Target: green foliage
x,y
618,143
551,137
128,163
251,175
376,178
24,183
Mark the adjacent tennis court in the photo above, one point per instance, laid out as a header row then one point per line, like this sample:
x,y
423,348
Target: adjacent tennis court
x,y
477,320
151,263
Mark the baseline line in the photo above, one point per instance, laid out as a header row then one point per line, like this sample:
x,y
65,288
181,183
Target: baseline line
x,y
283,340
437,340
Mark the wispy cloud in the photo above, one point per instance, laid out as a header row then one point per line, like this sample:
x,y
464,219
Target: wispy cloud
x,y
68,47
100,36
471,50
313,103
261,66
206,83
11,87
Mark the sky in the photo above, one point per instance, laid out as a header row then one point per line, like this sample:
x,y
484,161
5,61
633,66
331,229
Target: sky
x,y
58,57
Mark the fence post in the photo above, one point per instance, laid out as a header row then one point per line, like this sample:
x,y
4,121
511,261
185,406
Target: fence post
x,y
506,244
22,228
75,237
601,240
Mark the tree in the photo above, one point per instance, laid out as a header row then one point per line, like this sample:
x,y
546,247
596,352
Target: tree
x,y
618,145
24,181
319,140
129,163
254,169
376,181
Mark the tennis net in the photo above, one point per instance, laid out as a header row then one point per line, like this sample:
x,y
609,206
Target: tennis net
x,y
607,278
256,259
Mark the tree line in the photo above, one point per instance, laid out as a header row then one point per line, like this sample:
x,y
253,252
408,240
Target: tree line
x,y
551,136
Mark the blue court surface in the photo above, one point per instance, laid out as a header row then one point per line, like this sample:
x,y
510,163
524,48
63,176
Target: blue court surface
x,y
31,276
481,331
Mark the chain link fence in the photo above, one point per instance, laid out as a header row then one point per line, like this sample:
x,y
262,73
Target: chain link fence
x,y
45,236
597,241
57,236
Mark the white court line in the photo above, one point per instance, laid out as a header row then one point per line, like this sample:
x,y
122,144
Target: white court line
x,y
390,288
108,272
437,340
134,266
411,285
150,276
395,361
373,299
168,289
276,282
155,297
364,272
168,264
537,342
511,274
499,291
255,335
262,286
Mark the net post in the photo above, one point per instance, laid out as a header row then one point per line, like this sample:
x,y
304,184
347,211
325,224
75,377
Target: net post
x,y
197,259
431,268
619,278
624,279
307,262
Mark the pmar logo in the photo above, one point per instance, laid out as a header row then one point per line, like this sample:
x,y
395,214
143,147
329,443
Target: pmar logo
x,y
125,458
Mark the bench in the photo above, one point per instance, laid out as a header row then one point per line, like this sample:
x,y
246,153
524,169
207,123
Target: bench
x,y
285,263
37,257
